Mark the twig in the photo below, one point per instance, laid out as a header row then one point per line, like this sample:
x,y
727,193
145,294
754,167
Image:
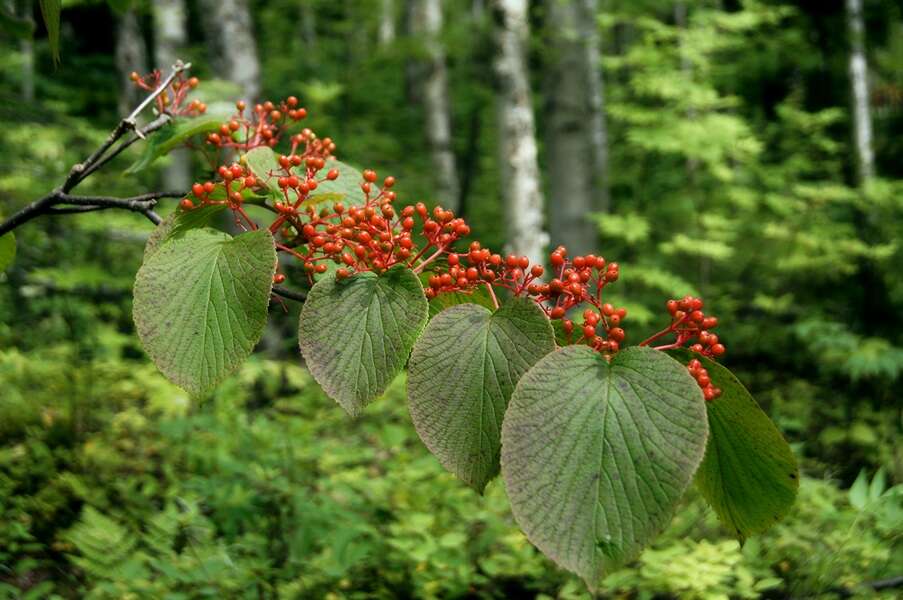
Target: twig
x,y
290,294
60,203
81,170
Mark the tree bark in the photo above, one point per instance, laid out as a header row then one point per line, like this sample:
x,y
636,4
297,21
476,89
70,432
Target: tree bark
x,y
575,132
426,21
130,55
170,37
230,21
521,192
859,90
26,47
386,22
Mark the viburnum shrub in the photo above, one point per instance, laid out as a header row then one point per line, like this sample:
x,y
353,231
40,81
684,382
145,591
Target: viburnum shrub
x,y
512,367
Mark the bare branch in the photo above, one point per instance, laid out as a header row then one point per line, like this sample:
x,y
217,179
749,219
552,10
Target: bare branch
x,y
81,170
60,203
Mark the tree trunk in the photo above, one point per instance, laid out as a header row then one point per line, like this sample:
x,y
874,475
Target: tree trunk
x,y
130,55
862,119
386,22
575,132
521,193
598,127
309,24
170,37
230,21
26,47
426,22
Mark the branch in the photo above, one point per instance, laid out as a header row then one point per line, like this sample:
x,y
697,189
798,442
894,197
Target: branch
x,y
81,170
144,204
59,203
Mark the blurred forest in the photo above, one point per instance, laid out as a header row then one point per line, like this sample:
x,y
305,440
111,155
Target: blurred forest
x,y
748,151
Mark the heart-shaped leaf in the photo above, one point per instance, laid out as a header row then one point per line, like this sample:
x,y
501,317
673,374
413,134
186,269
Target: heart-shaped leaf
x,y
356,334
749,474
201,303
595,454
178,223
462,372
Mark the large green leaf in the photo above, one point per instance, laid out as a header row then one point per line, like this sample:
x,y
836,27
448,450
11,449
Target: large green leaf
x,y
749,474
50,11
172,136
201,303
462,372
595,454
7,250
356,334
178,223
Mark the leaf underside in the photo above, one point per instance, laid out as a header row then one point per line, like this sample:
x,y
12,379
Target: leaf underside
x,y
356,334
595,455
462,372
201,304
749,474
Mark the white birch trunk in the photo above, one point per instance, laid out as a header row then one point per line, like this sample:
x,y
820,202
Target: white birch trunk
x,y
858,67
130,55
426,21
521,192
170,38
231,21
386,22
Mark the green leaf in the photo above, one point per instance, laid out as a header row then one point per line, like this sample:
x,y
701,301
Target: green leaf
x,y
356,334
172,136
178,223
50,11
749,474
462,372
347,185
262,162
7,250
878,485
596,454
448,299
201,304
859,491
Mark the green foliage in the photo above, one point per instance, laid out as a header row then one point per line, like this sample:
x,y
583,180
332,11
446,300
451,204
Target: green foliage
x,y
173,135
595,454
201,304
356,334
7,250
462,372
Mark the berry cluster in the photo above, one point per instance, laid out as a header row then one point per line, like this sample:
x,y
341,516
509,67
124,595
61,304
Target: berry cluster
x,y
171,100
690,324
375,236
701,375
264,125
576,282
